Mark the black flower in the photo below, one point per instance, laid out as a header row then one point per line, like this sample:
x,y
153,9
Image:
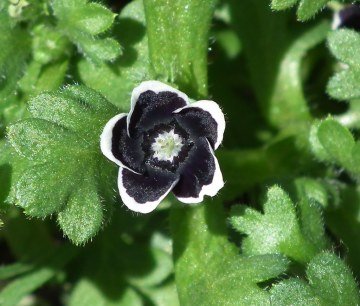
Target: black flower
x,y
165,144
348,17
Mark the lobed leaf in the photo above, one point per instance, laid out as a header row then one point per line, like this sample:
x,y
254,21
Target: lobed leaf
x,y
278,230
344,44
82,22
115,82
38,139
77,109
209,270
66,169
330,283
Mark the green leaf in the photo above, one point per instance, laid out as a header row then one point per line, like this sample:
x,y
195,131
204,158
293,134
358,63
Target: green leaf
x,y
163,295
67,173
294,292
41,190
76,108
332,142
208,269
5,171
163,268
38,139
117,80
88,293
229,42
82,217
316,147
48,45
307,8
15,48
51,77
313,198
343,221
50,61
337,141
279,222
39,78
13,270
12,293
81,16
106,49
282,4
92,18
345,84
178,53
330,283
81,22
344,45
140,265
313,190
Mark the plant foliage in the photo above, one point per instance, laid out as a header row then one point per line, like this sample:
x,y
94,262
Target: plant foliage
x,y
65,168
290,156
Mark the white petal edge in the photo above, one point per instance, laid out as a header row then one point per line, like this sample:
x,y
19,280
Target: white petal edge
x,y
106,140
210,190
216,113
130,202
155,86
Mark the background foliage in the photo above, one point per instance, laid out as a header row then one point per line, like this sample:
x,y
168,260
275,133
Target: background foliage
x,y
283,231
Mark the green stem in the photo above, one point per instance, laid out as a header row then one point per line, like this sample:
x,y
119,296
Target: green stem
x,y
178,42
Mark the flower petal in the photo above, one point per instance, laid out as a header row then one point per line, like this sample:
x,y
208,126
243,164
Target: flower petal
x,y
142,193
117,146
153,102
203,118
348,17
201,176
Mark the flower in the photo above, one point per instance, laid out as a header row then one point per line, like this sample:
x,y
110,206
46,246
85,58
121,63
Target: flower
x,y
165,144
348,17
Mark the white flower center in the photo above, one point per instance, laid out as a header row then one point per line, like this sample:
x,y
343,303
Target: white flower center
x,y
167,146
